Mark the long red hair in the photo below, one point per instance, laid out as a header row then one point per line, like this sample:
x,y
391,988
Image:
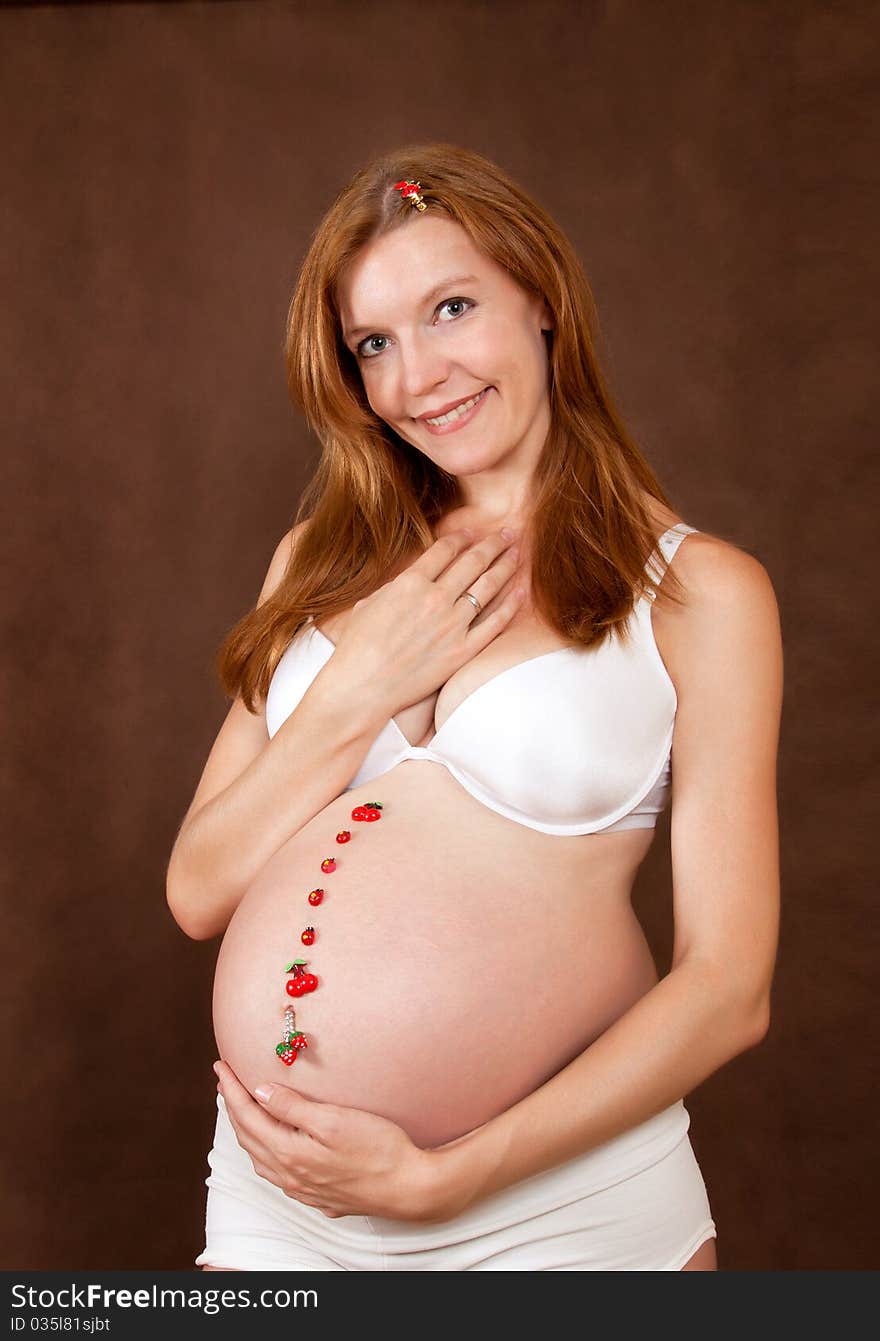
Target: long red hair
x,y
373,498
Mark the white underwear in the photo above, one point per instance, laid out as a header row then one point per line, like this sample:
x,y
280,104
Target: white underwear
x,y
636,1203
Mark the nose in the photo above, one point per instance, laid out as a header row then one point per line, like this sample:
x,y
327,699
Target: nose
x,y
422,366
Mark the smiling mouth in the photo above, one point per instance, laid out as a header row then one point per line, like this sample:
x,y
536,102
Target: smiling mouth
x,y
438,421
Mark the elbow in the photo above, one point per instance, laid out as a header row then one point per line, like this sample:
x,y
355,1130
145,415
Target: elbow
x,y
188,925
753,1021
182,906
184,918
740,1009
741,1016
763,1026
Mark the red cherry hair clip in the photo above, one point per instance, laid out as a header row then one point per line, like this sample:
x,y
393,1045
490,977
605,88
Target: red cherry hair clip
x,y
410,192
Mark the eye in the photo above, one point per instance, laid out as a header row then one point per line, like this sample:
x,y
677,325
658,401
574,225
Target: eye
x,y
361,349
456,302
366,349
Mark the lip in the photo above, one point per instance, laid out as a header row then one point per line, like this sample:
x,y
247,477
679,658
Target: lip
x,y
440,430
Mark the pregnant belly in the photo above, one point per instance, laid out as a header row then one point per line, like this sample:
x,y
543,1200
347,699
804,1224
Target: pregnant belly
x,y
461,959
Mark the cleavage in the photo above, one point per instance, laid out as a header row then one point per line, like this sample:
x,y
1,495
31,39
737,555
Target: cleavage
x,y
418,722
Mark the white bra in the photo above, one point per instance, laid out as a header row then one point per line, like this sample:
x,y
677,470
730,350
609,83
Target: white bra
x,y
573,741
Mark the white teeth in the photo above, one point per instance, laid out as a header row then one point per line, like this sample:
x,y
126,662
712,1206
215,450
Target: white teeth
x,y
457,412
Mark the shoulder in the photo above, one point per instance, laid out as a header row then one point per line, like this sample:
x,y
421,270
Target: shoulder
x,y
713,571
706,564
280,560
728,621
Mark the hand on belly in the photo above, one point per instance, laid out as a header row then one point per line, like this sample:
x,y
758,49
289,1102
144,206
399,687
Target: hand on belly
x,y
339,1160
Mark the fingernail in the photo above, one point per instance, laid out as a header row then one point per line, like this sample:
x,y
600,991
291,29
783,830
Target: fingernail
x,y
264,1093
507,532
216,1068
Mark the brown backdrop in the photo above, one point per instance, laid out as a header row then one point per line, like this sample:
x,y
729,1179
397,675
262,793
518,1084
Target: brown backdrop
x,y
165,165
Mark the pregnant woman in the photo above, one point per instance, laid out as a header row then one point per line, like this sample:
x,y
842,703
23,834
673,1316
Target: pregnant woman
x,y
483,659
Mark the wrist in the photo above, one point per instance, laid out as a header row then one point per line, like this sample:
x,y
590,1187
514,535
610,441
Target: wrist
x,y
350,712
458,1174
439,1192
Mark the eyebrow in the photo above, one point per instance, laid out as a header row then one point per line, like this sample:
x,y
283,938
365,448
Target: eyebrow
x,y
437,289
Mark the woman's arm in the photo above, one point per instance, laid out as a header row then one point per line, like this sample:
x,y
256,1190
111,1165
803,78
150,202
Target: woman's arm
x,y
256,792
724,654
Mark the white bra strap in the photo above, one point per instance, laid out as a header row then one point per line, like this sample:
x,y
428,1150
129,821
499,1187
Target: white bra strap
x,y
667,544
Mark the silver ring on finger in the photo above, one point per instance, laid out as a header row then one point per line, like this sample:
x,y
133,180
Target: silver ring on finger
x,y
469,596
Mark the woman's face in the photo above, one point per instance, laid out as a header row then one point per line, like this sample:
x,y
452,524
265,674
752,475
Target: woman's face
x,y
433,321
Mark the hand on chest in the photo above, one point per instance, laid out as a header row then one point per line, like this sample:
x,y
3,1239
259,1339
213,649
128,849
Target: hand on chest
x,y
522,641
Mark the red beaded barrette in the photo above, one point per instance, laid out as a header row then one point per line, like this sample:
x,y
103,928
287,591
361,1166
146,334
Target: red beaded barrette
x,y
410,192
